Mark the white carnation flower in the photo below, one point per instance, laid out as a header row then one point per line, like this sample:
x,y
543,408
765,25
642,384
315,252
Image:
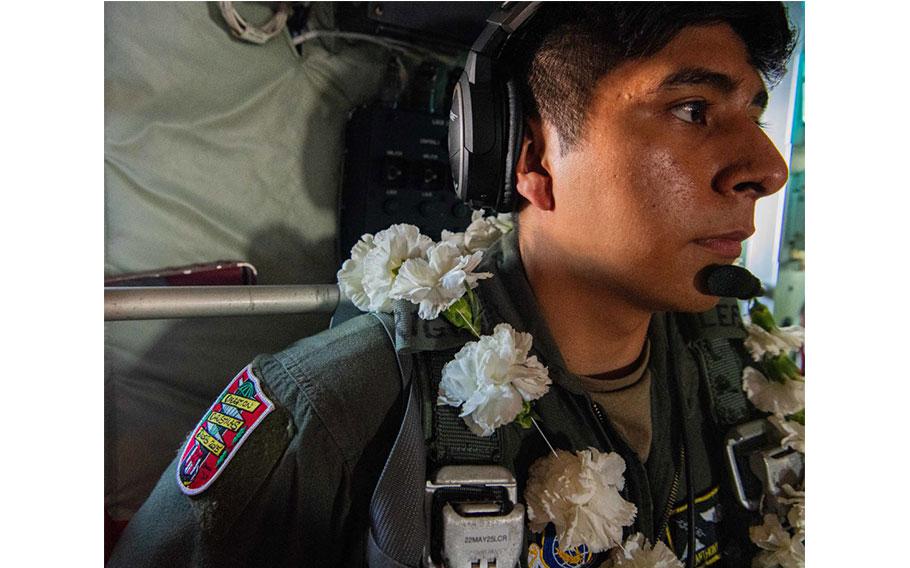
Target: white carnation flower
x,y
492,378
350,277
784,398
794,433
796,516
778,548
391,248
439,282
579,494
456,239
781,340
482,232
504,222
636,552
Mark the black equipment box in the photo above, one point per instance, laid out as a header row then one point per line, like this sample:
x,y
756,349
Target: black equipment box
x,y
396,170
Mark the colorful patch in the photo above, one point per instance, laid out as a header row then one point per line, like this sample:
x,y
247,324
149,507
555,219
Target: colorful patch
x,y
707,517
544,552
217,437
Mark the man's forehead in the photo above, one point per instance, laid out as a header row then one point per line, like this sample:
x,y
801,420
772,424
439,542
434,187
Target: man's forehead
x,y
712,55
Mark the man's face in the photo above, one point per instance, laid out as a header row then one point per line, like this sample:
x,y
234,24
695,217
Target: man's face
x,y
665,181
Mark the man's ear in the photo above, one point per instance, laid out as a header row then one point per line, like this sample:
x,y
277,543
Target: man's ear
x,y
533,179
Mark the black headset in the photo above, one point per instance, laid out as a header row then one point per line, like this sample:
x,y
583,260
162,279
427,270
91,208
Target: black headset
x,y
486,122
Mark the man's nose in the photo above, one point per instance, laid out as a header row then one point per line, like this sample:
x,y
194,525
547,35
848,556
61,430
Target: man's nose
x,y
755,169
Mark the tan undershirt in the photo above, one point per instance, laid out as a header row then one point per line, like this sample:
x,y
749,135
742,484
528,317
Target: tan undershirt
x,y
626,401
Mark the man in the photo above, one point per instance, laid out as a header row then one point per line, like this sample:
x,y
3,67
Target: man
x,y
641,164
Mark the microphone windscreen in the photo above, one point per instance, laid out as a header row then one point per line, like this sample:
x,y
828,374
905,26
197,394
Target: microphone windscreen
x,y
731,281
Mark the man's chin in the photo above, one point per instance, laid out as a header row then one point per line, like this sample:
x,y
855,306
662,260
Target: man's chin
x,y
691,301
701,303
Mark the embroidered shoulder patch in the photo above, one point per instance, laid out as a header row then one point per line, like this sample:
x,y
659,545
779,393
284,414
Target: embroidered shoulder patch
x,y
224,427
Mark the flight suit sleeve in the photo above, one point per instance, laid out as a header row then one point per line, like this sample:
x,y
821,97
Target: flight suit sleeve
x,y
291,489
279,498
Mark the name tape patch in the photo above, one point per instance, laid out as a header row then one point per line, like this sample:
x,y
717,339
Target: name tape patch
x,y
223,429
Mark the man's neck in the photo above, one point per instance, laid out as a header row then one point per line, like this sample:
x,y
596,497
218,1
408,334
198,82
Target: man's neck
x,y
596,331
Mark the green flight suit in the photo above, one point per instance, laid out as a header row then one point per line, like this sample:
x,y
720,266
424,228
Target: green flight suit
x,y
297,493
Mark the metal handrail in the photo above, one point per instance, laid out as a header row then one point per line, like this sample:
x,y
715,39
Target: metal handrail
x,y
169,302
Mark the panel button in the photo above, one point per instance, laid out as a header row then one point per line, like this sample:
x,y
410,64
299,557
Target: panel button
x,y
391,206
431,208
461,211
393,172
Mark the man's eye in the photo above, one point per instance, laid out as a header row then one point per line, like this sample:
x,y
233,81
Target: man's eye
x,y
692,111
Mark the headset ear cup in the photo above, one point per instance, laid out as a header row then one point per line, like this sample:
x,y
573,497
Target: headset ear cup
x,y
460,130
514,125
477,164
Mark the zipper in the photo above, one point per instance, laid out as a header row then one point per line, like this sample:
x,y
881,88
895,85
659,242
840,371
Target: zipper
x,y
598,413
674,489
602,420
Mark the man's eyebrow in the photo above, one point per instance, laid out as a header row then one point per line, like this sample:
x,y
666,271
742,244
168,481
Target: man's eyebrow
x,y
702,76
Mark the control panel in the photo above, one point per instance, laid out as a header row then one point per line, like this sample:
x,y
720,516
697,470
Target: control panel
x,y
396,170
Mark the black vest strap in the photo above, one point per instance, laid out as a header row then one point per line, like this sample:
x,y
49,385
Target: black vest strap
x,y
451,441
716,337
724,379
397,517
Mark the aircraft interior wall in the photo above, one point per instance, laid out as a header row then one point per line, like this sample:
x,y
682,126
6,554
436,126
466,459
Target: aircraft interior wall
x,y
214,149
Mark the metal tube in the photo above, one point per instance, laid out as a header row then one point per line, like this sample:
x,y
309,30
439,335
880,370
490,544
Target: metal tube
x,y
168,302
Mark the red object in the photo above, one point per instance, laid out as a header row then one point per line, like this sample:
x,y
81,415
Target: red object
x,y
218,273
112,531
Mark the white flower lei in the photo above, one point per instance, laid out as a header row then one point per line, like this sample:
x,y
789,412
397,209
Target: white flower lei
x,y
494,381
637,552
775,385
580,494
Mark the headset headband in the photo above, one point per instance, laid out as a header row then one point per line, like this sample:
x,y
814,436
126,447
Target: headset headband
x,y
486,119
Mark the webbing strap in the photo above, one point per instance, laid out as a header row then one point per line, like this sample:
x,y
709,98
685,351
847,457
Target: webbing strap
x,y
452,441
724,379
715,335
397,518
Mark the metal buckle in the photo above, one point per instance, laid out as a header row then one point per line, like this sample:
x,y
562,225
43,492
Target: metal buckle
x,y
758,465
777,467
476,510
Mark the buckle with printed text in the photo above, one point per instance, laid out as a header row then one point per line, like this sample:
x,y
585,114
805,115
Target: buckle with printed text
x,y
475,519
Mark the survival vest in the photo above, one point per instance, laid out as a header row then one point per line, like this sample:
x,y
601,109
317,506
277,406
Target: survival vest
x,y
432,436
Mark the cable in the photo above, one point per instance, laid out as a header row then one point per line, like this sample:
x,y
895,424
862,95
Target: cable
x,y
389,43
690,489
690,500
241,29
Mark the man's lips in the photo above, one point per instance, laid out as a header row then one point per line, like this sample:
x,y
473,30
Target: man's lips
x,y
727,245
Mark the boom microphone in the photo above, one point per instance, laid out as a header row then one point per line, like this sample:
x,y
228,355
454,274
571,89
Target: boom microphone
x,y
730,281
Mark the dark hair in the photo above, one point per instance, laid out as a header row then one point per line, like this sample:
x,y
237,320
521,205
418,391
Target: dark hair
x,y
569,46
